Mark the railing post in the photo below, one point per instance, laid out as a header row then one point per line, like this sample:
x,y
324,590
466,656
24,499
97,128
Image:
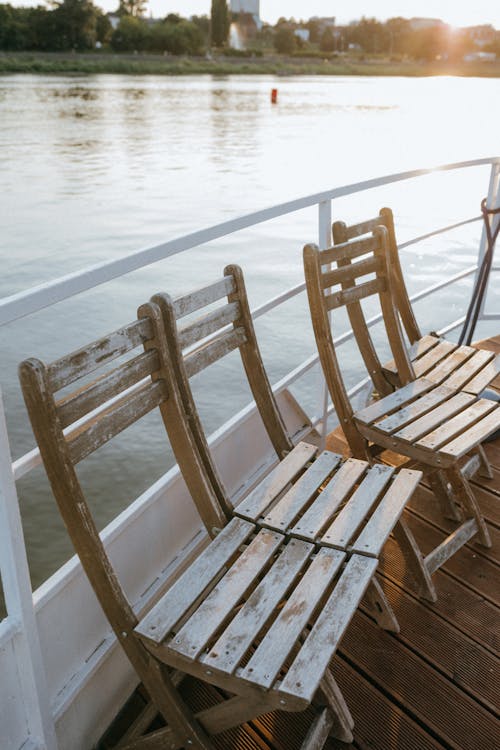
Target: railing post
x,y
19,603
324,241
492,201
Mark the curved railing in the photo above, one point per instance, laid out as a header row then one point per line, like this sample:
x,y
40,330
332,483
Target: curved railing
x,y
20,622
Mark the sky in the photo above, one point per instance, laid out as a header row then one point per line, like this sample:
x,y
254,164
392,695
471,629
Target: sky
x,y
454,12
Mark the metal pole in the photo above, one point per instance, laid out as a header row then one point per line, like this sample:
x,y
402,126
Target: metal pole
x,y
19,602
324,241
493,201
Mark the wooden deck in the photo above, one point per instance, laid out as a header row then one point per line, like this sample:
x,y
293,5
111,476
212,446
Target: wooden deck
x,y
437,683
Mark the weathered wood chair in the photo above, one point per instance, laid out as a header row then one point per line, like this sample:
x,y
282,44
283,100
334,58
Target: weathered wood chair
x,y
260,612
200,343
427,352
433,420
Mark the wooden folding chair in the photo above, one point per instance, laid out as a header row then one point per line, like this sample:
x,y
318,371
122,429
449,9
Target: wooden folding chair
x,y
259,614
430,354
434,420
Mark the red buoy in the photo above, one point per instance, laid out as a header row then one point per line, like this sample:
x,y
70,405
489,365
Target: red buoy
x,y
274,96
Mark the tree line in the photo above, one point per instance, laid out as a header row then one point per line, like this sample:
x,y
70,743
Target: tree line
x,y
80,25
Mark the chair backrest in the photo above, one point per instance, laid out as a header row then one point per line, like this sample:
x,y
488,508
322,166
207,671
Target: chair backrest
x,y
196,344
355,259
343,233
70,427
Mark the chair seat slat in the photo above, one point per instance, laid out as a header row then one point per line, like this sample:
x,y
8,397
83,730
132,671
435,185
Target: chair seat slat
x,y
256,503
303,677
235,641
457,425
450,363
354,294
435,417
163,617
293,502
416,350
341,532
211,614
461,377
394,401
98,392
213,350
407,414
386,515
484,377
208,323
475,434
76,365
433,357
189,303
114,420
329,500
277,644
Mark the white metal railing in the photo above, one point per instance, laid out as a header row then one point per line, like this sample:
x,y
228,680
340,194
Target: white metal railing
x,y
19,626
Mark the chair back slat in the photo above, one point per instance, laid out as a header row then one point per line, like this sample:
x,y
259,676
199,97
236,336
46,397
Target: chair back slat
x,y
354,294
207,324
74,366
322,301
364,227
120,415
201,353
95,394
351,272
211,352
342,233
348,251
202,297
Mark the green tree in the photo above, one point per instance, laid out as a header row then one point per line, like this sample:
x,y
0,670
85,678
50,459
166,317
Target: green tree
x,y
285,41
178,38
134,8
75,23
131,35
219,22
327,40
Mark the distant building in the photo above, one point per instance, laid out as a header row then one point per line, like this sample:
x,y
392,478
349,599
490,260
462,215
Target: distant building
x,y
417,24
328,22
250,7
481,35
303,34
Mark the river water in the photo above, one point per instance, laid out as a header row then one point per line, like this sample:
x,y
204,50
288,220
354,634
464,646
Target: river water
x,y
93,167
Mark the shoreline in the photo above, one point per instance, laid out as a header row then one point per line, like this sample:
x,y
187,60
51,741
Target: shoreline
x,y
127,64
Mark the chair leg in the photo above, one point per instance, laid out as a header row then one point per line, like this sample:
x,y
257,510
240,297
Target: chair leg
x,y
439,486
320,730
380,608
464,494
329,694
485,471
182,723
415,560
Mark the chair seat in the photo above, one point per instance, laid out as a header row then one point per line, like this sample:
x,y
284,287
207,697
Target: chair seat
x,y
434,423
463,367
267,602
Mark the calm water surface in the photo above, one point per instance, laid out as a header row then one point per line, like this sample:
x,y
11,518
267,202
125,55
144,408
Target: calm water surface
x,y
95,167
